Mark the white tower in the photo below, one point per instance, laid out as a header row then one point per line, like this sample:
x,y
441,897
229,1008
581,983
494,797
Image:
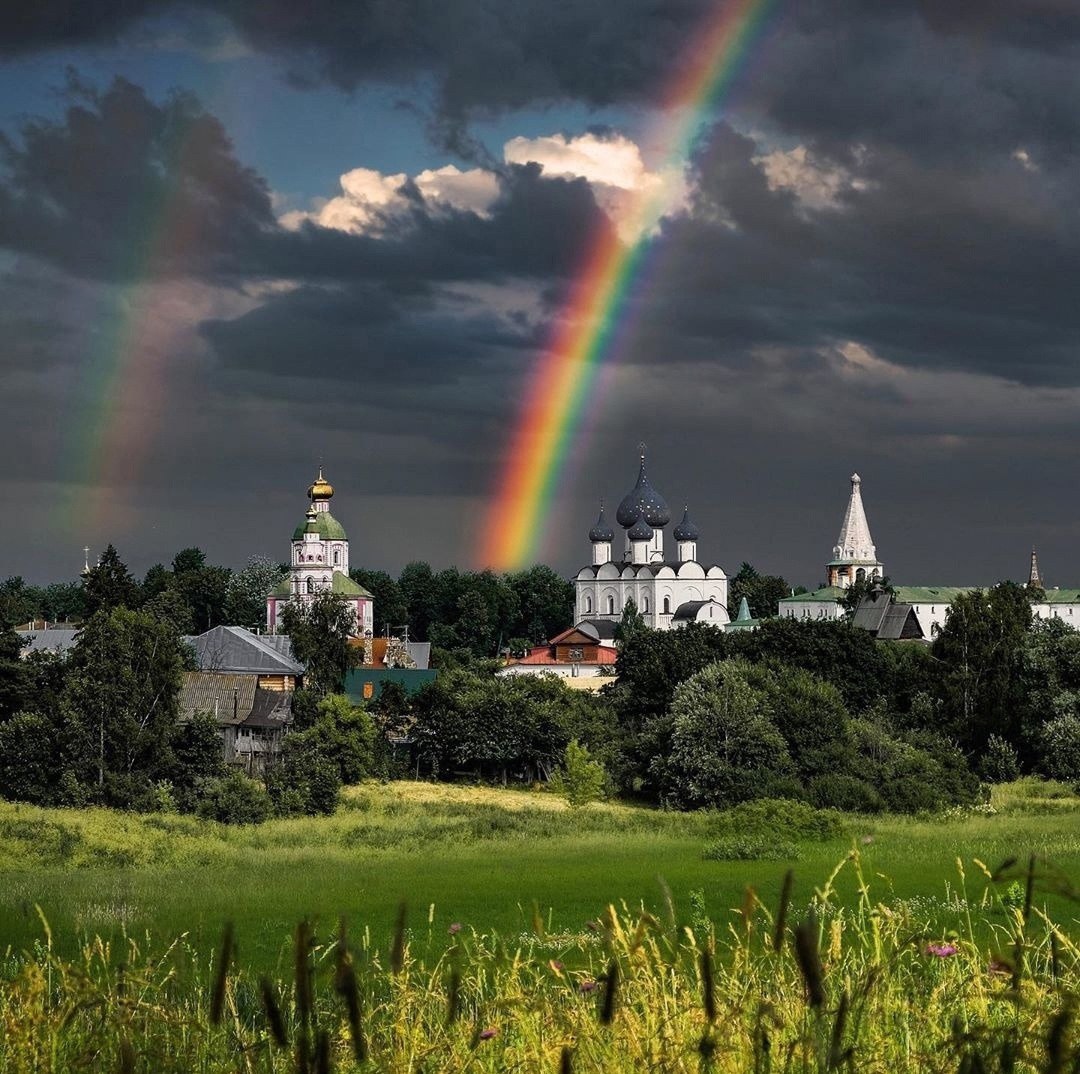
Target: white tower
x,y
686,538
854,557
601,536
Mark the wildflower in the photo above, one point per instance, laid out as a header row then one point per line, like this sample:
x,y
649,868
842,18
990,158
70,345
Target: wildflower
x,y
587,986
998,966
455,928
866,840
488,1033
556,965
941,950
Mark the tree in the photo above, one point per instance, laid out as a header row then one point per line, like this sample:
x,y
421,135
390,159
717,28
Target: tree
x,y
725,748
420,592
170,607
763,592
247,590
631,623
120,702
19,603
109,585
28,755
860,588
981,647
14,681
545,603
320,630
196,755
305,781
188,559
581,779
204,590
1060,741
234,798
391,608
345,735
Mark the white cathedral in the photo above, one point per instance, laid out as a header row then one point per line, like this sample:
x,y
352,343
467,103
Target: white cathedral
x,y
669,591
319,562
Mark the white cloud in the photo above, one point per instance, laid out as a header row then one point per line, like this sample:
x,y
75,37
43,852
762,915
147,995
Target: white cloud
x,y
634,197
816,185
1023,158
369,199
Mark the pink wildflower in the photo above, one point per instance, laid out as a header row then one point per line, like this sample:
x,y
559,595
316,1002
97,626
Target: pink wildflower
x,y
941,950
587,986
455,928
488,1033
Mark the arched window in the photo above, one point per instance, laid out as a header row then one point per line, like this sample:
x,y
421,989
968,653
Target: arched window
x,y
588,605
645,605
337,556
611,605
860,575
311,585
667,605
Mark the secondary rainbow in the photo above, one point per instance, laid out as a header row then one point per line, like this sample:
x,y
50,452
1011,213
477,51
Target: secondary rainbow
x,y
564,379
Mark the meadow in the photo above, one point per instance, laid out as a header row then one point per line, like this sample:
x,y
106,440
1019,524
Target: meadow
x,y
500,930
485,858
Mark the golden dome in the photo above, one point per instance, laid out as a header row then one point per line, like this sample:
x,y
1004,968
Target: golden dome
x,y
320,489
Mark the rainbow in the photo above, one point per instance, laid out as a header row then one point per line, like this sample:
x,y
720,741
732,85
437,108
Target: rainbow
x,y
565,378
119,402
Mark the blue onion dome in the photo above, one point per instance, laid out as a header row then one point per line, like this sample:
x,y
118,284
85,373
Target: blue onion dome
x,y
643,499
685,530
640,530
601,532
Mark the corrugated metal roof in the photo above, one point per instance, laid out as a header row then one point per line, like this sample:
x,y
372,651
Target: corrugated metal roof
x,y
234,649
229,698
829,593
50,640
900,621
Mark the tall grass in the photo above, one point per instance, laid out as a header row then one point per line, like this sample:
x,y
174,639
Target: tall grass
x,y
823,986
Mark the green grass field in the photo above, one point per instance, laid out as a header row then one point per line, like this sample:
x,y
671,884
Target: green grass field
x,y
477,856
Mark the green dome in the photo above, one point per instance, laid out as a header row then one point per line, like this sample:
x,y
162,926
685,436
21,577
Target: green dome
x,y
327,527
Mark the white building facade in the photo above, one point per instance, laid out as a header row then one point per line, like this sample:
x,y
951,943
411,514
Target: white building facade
x,y
318,563
660,585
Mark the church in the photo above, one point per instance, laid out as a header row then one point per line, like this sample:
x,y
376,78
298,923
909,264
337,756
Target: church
x,y
319,562
669,590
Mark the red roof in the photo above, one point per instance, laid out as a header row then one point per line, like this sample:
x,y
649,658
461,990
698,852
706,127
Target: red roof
x,y
542,654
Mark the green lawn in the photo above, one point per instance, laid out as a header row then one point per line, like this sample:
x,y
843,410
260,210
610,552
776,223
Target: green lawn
x,y
478,856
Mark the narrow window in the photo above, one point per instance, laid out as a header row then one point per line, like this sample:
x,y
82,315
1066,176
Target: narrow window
x,y
588,605
645,605
611,605
667,605
311,585
337,556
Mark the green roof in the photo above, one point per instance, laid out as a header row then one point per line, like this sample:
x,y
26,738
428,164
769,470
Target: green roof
x,y
829,594
929,594
283,588
1061,596
344,585
326,526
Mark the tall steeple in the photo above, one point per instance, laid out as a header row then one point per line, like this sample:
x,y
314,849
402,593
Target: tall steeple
x,y
854,555
1034,577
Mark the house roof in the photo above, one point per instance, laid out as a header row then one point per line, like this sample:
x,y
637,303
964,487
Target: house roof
x,y
828,594
586,631
900,621
605,628
341,583
542,654
929,594
234,649
1060,596
420,651
52,640
233,699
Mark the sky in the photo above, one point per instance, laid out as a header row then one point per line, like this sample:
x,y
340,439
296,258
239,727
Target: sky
x,y
239,239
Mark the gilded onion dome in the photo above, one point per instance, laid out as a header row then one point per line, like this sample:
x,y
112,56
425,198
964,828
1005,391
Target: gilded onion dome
x,y
320,488
645,501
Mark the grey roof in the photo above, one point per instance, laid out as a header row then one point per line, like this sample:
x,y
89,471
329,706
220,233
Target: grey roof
x,y
643,499
604,629
233,699
689,609
50,640
870,613
887,619
230,648
420,651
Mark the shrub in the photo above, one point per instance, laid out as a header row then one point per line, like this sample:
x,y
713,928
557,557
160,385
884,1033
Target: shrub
x,y
780,819
1000,763
233,799
751,848
846,793
581,779
1059,743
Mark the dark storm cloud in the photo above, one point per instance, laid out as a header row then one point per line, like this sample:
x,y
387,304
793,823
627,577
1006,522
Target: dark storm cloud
x,y
124,188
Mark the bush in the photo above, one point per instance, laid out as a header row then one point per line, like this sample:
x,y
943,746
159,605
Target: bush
x,y
780,819
1000,763
233,799
1059,743
846,793
305,782
581,779
751,848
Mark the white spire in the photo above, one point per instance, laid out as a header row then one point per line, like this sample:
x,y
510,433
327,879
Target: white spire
x,y
855,545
